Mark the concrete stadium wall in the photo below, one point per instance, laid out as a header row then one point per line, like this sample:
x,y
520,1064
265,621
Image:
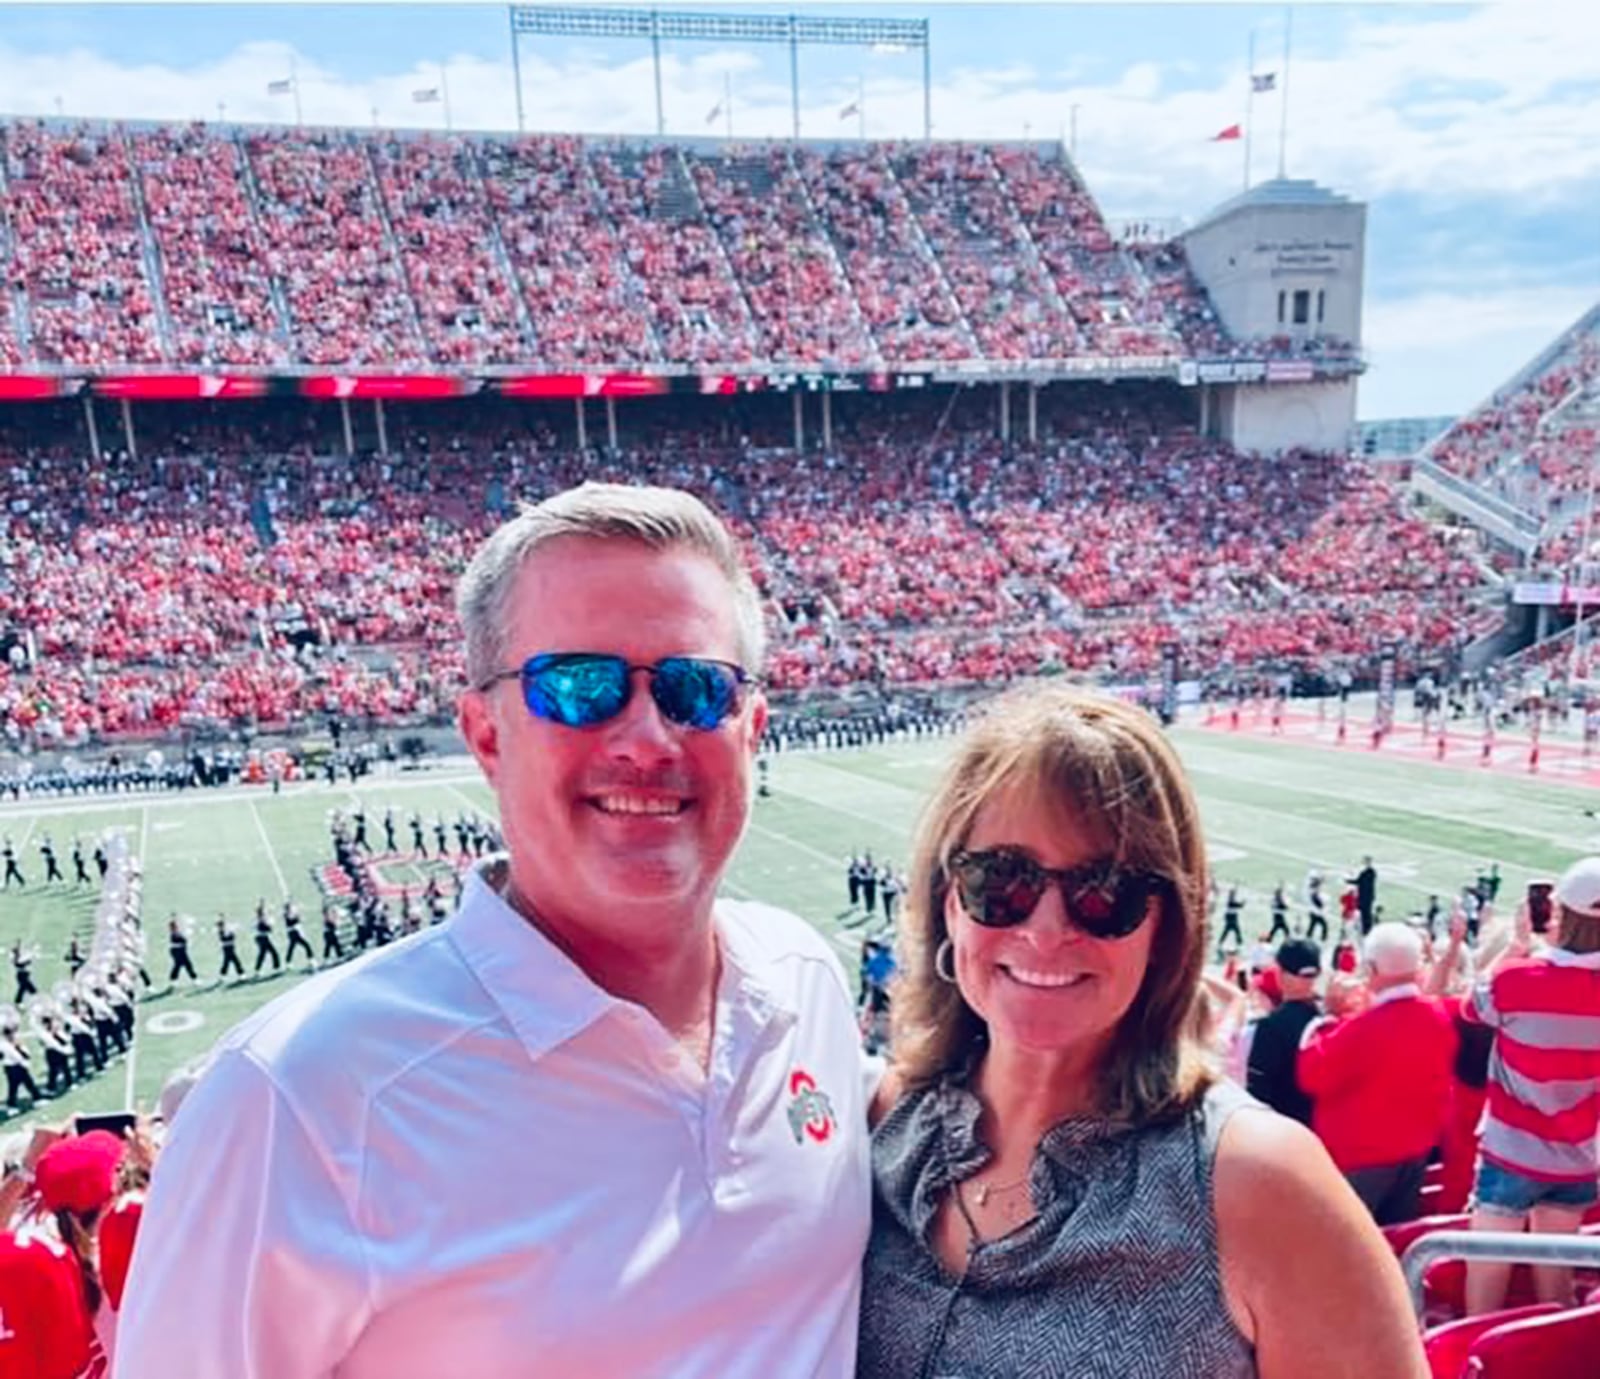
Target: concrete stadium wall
x,y
1270,419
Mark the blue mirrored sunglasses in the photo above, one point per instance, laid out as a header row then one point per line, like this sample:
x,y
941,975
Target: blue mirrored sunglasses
x,y
579,689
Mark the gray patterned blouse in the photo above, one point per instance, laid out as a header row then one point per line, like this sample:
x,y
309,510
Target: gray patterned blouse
x,y
1117,1277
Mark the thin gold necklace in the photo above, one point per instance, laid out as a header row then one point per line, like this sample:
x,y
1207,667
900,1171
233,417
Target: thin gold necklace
x,y
986,1190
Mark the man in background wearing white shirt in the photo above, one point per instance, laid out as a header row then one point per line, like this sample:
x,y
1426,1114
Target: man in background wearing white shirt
x,y
600,1123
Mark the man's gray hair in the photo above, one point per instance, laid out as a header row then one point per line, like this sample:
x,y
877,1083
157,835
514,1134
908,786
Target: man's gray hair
x,y
1393,949
661,518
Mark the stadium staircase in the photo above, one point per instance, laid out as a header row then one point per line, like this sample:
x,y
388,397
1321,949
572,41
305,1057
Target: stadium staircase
x,y
674,202
477,176
638,295
150,253
13,300
374,182
882,248
934,260
252,197
841,276
1024,241
696,212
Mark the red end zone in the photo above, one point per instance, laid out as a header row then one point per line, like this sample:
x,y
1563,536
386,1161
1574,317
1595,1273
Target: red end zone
x,y
1558,759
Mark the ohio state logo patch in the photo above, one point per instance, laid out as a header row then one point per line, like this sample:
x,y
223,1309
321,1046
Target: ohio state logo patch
x,y
810,1111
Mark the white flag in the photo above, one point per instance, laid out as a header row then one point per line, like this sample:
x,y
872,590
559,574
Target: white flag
x,y
854,108
423,97
280,88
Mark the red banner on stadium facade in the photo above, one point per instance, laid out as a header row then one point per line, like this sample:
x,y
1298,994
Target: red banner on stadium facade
x,y
406,387
28,388
584,385
178,387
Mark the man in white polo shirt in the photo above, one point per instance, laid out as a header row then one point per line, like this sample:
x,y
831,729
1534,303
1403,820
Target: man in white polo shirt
x,y
600,1123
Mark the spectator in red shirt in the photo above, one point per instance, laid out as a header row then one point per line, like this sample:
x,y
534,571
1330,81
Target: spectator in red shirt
x,y
46,1318
1537,1156
1379,1074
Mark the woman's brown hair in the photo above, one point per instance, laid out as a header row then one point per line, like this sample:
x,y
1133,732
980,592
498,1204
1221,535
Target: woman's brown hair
x,y
1578,932
1108,764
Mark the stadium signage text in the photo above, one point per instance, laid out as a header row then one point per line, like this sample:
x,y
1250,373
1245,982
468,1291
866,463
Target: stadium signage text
x,y
1553,593
1305,255
422,387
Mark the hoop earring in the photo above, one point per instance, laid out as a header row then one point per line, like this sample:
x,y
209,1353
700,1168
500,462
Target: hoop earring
x,y
944,957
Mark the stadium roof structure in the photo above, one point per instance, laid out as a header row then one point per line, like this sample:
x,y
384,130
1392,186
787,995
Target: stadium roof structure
x,y
1276,192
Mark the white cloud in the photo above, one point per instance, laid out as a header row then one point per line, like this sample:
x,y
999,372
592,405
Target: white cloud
x,y
1386,112
1441,353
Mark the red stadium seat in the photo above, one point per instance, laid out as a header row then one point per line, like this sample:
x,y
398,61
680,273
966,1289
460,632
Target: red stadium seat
x,y
1448,1346
1444,1288
1565,1345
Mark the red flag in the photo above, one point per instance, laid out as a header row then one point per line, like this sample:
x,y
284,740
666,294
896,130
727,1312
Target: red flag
x,y
1233,131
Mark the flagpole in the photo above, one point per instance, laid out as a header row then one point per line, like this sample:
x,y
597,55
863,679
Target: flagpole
x,y
444,91
1249,107
861,108
294,85
727,101
1283,107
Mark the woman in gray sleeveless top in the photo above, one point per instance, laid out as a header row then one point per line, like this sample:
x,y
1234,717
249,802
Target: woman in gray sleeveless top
x,y
1062,1189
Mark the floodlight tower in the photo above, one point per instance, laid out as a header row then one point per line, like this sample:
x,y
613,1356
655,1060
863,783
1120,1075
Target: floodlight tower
x,y
571,21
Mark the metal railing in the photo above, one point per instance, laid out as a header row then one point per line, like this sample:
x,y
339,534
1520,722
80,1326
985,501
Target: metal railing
x,y
1504,1247
1519,529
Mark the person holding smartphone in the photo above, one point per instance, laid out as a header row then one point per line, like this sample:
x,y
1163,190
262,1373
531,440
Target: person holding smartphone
x,y
1537,1154
54,1298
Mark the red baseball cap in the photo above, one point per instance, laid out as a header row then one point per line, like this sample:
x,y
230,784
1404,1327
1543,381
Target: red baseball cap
x,y
78,1174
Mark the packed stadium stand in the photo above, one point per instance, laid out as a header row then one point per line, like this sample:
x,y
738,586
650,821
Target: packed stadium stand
x,y
1533,441
256,562
255,247
241,571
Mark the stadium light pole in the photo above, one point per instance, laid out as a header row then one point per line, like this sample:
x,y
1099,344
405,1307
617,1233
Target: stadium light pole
x,y
794,76
927,87
516,69
721,26
655,51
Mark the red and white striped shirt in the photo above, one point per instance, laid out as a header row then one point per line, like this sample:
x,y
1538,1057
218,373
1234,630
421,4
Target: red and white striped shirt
x,y
1543,1109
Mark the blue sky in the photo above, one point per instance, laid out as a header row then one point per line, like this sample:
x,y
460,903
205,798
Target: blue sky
x,y
1472,132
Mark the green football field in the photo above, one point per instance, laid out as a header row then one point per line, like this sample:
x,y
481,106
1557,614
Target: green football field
x,y
1272,810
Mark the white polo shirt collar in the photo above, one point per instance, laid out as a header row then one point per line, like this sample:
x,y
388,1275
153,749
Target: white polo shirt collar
x,y
548,998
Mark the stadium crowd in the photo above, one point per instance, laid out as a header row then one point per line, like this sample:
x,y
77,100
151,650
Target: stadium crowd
x,y
212,246
244,574
1533,443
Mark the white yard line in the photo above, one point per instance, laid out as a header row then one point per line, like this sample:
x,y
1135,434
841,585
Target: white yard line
x,y
33,823
462,795
266,842
795,843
